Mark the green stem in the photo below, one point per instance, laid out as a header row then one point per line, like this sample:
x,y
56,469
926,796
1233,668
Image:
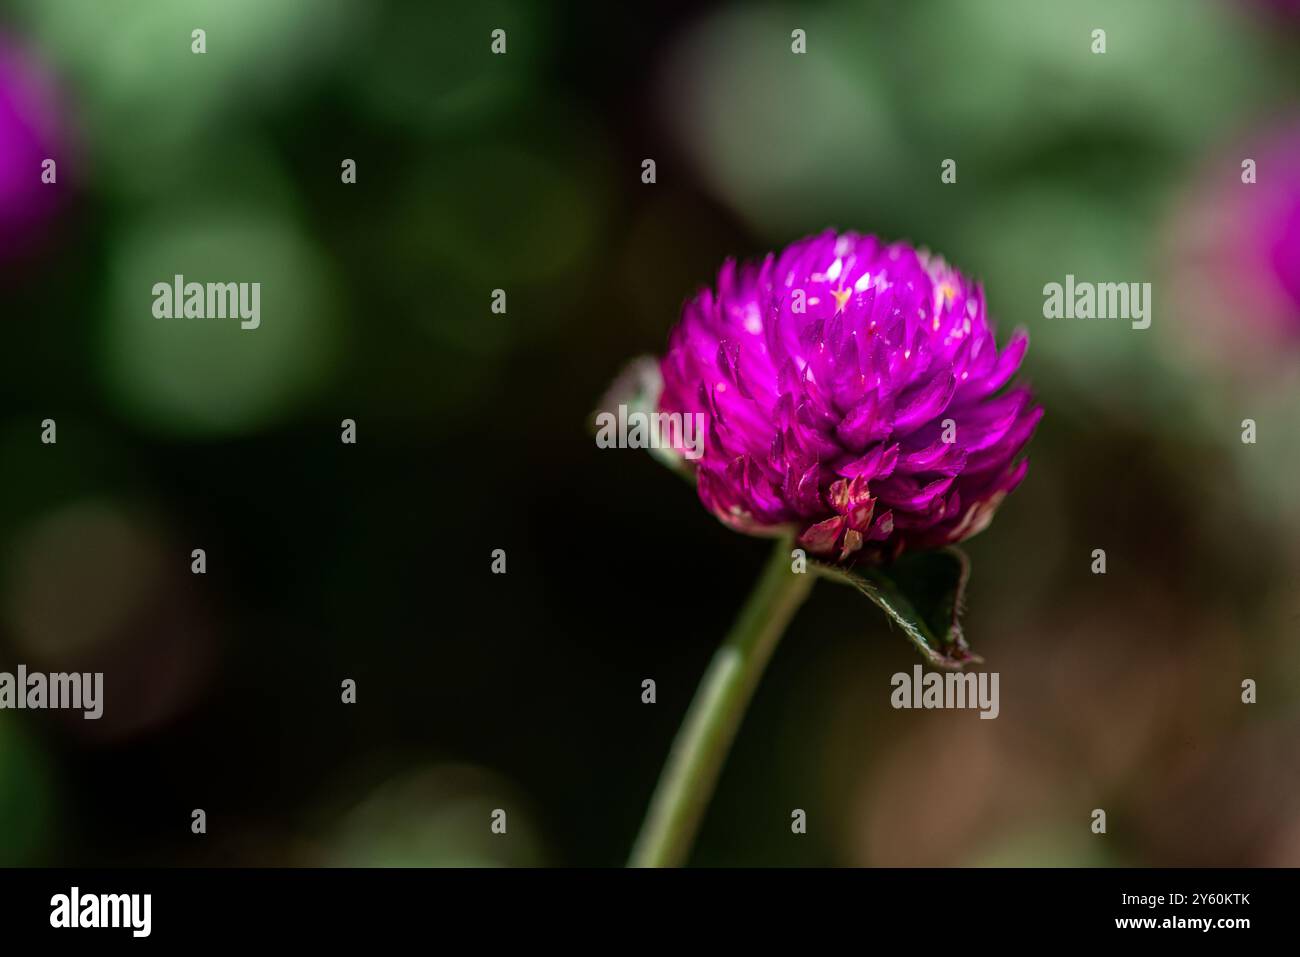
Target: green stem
x,y
701,746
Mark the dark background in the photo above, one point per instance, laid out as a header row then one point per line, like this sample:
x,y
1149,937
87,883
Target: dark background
x,y
523,172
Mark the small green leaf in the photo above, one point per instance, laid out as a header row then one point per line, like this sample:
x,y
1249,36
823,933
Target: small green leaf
x,y
923,594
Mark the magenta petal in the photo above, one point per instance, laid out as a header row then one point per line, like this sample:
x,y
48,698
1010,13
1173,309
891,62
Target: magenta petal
x,y
923,404
878,463
870,421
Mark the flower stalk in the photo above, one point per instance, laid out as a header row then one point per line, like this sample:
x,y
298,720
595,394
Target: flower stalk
x,y
691,773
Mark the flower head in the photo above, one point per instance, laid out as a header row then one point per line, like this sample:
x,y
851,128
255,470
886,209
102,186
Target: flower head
x,y
853,393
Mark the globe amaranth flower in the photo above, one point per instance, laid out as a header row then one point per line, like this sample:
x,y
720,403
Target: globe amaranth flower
x,y
853,393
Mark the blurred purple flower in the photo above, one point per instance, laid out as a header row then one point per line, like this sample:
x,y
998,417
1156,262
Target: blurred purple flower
x,y
1236,248
1271,218
852,392
29,134
1263,247
1280,8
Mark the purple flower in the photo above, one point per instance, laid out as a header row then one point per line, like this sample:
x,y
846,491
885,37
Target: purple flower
x,y
1265,229
852,392
28,136
1234,249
